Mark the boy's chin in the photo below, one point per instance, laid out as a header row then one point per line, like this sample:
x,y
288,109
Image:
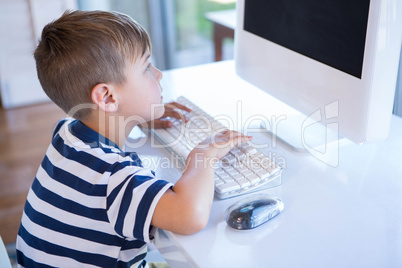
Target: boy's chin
x,y
158,112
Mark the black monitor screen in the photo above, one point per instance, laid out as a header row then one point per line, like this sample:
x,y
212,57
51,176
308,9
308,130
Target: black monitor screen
x,y
330,31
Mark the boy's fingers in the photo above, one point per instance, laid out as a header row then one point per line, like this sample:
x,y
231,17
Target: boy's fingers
x,y
162,124
234,134
243,138
175,114
225,132
157,124
234,137
180,106
175,105
239,138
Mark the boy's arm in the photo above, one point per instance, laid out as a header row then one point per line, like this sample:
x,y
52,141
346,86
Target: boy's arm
x,y
185,208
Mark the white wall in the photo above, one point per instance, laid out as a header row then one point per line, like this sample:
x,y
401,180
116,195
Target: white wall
x,y
21,23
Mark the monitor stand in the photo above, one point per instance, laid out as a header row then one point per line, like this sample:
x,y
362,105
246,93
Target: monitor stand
x,y
308,134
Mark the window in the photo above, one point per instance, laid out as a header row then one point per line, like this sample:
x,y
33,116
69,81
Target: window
x,y
181,34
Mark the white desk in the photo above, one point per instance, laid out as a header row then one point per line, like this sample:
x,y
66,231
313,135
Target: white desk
x,y
348,216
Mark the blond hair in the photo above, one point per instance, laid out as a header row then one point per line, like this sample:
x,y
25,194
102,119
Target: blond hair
x,y
84,48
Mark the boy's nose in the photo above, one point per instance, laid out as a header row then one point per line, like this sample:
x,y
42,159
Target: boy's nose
x,y
158,74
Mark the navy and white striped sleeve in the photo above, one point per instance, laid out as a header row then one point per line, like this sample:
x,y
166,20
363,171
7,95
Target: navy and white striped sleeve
x,y
132,195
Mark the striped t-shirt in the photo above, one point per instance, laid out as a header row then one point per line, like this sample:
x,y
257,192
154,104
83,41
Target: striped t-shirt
x,y
91,204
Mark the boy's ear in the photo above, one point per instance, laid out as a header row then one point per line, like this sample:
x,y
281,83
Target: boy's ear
x,y
103,95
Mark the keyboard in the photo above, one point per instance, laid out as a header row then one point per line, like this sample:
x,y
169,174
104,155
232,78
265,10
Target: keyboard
x,y
243,170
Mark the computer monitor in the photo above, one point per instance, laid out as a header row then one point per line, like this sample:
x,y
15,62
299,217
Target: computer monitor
x,y
335,56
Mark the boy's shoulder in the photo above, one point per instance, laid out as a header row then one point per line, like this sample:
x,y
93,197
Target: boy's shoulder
x,y
75,142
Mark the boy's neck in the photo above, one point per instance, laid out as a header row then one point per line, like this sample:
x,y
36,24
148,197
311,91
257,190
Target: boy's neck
x,y
111,128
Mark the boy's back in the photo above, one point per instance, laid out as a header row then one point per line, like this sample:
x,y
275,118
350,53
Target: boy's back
x,y
89,204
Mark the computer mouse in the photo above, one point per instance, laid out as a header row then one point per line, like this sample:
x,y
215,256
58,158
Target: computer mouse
x,y
253,211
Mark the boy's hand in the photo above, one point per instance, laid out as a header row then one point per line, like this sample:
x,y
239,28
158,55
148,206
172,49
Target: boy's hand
x,y
220,144
172,109
186,207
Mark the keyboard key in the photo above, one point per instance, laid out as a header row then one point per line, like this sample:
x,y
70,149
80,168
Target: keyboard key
x,y
219,171
228,159
169,138
233,172
224,175
227,179
254,179
238,155
263,174
227,187
243,182
218,181
237,177
246,172
235,151
247,149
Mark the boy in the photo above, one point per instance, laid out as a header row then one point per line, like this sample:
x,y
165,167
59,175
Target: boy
x,y
91,204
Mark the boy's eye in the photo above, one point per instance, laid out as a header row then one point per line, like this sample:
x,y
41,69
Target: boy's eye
x,y
148,67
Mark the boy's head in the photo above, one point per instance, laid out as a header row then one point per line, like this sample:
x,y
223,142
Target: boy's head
x,y
84,48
